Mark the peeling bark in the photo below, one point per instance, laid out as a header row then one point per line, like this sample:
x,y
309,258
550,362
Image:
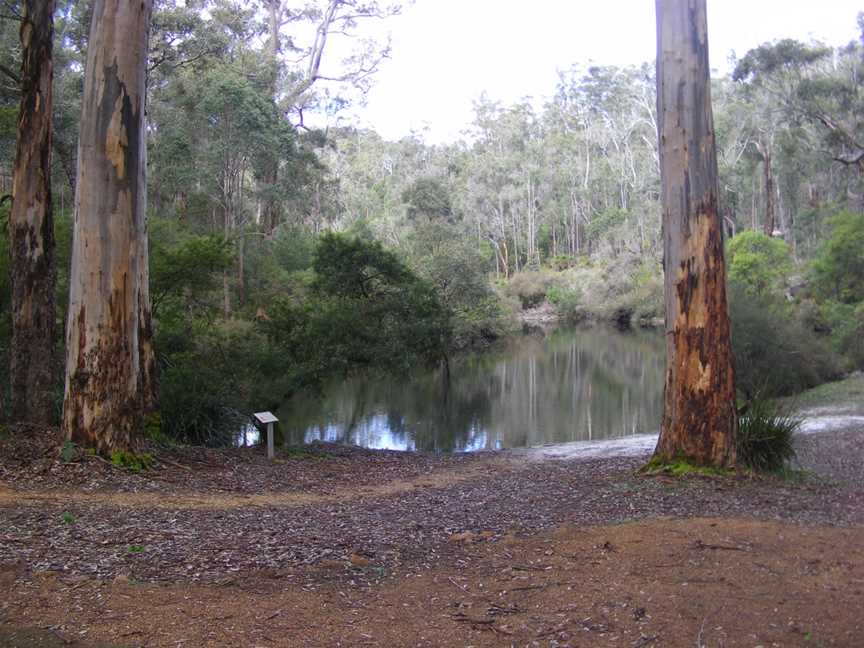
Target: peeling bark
x,y
31,226
110,372
699,417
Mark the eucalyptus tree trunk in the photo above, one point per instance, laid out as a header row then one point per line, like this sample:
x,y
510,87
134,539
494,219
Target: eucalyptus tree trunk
x,y
110,375
770,218
270,216
699,417
31,225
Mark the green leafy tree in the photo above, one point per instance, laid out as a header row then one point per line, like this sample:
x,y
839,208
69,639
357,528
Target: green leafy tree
x,y
838,270
758,262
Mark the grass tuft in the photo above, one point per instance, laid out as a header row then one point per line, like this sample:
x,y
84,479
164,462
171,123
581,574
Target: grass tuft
x,y
132,461
765,437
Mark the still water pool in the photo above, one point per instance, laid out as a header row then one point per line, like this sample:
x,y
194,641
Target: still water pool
x,y
563,385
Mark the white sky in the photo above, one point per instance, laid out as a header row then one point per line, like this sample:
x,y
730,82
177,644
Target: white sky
x,y
446,52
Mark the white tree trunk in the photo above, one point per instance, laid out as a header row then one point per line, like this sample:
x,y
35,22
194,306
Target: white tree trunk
x,y
110,369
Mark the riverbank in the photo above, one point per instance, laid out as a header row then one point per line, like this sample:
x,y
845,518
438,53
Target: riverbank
x,y
342,546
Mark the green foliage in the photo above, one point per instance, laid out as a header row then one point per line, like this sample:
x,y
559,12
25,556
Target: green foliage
x,y
153,431
770,58
67,518
567,302
132,461
370,310
759,263
621,291
456,270
183,266
846,322
279,265
206,385
427,197
645,297
361,308
135,549
605,223
68,451
838,269
774,353
530,287
765,436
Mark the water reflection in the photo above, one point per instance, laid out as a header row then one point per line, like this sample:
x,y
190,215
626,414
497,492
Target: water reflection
x,y
568,385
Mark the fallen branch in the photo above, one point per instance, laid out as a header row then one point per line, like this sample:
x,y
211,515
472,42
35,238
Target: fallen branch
x,y
701,545
173,463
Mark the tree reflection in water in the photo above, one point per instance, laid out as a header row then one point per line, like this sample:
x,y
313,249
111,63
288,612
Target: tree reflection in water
x,y
568,385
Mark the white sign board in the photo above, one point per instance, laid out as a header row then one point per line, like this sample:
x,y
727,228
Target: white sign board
x,y
265,417
268,419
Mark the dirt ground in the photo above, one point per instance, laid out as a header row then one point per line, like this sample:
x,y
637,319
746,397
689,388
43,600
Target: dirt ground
x,y
702,582
342,547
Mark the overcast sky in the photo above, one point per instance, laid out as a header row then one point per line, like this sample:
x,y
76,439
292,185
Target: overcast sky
x,y
446,52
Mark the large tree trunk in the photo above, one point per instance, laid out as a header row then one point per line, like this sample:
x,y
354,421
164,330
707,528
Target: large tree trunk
x,y
699,417
31,225
109,352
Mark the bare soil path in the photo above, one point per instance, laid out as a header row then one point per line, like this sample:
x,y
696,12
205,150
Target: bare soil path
x,y
349,547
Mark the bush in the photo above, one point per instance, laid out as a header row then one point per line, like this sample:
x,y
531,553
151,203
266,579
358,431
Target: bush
x,y
529,287
774,353
205,388
846,322
765,437
645,299
567,302
619,291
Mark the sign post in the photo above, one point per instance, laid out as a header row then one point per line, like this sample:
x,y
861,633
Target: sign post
x,y
267,418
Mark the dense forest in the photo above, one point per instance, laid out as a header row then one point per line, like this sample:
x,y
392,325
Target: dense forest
x,y
283,254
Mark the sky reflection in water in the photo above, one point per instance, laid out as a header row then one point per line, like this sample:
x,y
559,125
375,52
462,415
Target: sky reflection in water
x,y
565,385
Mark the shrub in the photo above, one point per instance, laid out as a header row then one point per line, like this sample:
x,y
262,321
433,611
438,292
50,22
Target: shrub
x,y
765,436
205,387
131,461
846,322
774,353
529,287
645,298
567,302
